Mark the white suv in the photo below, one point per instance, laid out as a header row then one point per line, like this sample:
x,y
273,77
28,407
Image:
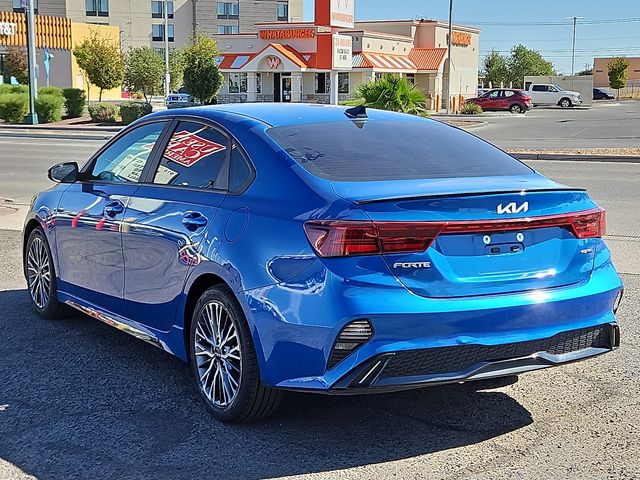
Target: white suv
x,y
548,94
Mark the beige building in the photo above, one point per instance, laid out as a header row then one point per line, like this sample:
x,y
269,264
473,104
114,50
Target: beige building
x,y
58,36
141,21
601,72
288,62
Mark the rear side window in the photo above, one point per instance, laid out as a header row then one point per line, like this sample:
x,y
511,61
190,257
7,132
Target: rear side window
x,y
387,150
194,157
539,88
240,171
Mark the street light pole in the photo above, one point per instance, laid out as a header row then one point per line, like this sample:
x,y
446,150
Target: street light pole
x,y
32,116
167,77
573,50
449,56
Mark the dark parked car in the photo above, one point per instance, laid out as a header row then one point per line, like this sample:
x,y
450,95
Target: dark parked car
x,y
515,101
599,94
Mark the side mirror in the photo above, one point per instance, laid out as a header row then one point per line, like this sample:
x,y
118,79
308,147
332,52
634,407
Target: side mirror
x,y
64,172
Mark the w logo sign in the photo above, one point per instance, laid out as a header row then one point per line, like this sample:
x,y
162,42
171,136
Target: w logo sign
x,y
343,3
273,62
513,208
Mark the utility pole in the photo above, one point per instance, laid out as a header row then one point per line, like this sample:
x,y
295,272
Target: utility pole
x,y
449,56
573,50
167,75
32,116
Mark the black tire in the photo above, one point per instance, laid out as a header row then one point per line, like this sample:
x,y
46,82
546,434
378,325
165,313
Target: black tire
x,y
50,309
252,401
565,103
516,108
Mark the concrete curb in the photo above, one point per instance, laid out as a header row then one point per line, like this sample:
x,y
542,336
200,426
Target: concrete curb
x,y
575,157
57,135
59,128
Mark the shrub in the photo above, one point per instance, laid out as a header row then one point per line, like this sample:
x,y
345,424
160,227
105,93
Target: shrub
x,y
8,88
103,112
49,108
75,101
394,93
131,111
51,91
14,107
471,109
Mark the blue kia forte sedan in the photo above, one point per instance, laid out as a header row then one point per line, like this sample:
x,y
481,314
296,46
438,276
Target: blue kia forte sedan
x,y
323,249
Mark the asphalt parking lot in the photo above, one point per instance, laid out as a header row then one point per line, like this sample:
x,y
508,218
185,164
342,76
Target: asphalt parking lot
x,y
79,399
606,124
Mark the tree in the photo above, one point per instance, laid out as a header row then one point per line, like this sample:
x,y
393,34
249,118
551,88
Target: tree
x,y
100,60
394,93
18,63
176,69
202,78
618,73
143,72
495,68
524,61
586,71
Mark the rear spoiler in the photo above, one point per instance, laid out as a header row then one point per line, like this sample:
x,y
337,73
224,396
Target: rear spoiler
x,y
468,194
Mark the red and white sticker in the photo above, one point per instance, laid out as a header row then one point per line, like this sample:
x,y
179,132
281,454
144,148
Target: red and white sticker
x,y
187,148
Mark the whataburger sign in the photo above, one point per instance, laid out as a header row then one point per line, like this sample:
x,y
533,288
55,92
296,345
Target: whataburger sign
x,y
342,13
335,13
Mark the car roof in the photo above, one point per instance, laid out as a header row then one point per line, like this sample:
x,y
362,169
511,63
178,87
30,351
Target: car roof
x,y
279,114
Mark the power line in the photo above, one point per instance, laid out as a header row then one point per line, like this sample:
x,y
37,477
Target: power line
x,y
551,24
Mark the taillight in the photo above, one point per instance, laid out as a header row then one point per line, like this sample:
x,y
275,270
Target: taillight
x,y
338,238
342,238
592,224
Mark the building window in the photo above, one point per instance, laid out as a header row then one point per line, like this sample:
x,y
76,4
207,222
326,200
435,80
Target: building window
x,y
343,82
157,32
258,83
411,78
228,29
228,11
157,9
237,83
17,6
282,10
97,8
323,82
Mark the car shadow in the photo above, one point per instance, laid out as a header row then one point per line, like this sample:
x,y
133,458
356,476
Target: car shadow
x,y
81,399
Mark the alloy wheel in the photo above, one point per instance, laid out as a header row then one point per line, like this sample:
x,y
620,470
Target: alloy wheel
x,y
39,273
515,109
218,354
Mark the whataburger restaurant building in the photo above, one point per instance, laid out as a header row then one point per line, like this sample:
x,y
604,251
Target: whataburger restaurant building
x,y
325,60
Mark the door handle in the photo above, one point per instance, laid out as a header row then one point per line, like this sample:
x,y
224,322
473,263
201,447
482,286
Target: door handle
x,y
113,208
194,220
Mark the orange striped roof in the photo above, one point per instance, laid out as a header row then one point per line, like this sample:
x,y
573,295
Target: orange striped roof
x,y
427,58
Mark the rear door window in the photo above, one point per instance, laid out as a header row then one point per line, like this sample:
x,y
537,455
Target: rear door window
x,y
392,150
195,157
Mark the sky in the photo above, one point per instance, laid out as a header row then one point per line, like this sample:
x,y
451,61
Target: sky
x,y
608,29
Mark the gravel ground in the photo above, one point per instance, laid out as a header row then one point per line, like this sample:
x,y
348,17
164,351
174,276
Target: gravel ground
x,y
79,399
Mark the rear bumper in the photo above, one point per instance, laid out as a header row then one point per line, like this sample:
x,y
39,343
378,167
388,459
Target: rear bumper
x,y
420,368
296,326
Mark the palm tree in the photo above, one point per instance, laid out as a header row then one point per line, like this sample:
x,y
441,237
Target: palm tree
x,y
394,93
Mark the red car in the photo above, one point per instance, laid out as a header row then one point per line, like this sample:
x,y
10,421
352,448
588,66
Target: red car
x,y
513,100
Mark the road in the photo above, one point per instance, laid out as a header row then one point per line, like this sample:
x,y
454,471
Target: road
x,y
603,125
79,399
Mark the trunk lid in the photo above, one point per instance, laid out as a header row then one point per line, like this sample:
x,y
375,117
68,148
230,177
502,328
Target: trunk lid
x,y
485,261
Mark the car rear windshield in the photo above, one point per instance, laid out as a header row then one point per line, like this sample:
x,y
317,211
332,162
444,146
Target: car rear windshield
x,y
379,150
